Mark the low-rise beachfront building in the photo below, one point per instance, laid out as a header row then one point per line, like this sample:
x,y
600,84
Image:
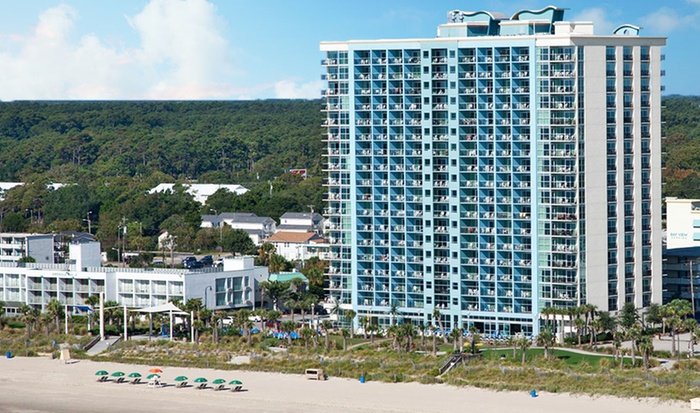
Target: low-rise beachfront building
x,y
14,246
299,246
231,286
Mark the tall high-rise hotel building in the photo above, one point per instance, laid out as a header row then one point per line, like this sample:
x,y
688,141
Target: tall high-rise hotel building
x,y
507,165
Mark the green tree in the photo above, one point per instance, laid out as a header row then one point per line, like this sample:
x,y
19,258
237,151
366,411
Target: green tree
x,y
524,344
350,319
546,340
55,309
437,316
275,291
237,241
345,333
306,333
288,327
30,316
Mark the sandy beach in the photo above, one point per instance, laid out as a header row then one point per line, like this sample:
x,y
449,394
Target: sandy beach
x,y
38,385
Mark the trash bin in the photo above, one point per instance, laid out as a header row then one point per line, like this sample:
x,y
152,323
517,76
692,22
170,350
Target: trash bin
x,y
362,378
8,355
533,393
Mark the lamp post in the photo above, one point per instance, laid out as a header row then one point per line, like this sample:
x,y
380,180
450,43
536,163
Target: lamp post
x,y
206,301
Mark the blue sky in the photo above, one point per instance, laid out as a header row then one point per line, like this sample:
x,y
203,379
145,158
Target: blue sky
x,y
233,49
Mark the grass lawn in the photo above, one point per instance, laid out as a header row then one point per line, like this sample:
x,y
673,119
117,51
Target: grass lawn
x,y
572,359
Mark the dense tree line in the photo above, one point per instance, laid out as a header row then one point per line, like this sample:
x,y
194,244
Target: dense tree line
x,y
681,146
210,141
109,154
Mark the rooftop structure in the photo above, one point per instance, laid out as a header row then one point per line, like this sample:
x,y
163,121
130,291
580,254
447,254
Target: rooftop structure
x,y
201,191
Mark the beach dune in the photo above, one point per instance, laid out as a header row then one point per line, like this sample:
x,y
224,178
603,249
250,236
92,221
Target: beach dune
x,y
39,385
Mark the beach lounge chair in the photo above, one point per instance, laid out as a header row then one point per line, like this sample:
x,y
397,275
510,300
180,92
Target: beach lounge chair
x,y
155,383
102,378
236,388
201,386
136,380
181,384
119,380
219,387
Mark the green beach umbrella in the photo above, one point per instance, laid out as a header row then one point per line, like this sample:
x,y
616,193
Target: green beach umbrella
x,y
180,378
101,373
135,375
117,374
200,380
153,376
218,381
235,382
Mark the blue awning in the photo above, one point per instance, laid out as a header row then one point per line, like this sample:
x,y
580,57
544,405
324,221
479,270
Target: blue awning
x,y
85,308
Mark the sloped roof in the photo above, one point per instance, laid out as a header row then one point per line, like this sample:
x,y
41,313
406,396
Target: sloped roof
x,y
286,276
244,217
295,237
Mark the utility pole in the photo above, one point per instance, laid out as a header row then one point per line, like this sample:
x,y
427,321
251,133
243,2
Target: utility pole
x,y
89,222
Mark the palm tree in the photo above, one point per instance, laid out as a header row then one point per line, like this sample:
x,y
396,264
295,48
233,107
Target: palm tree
x,y
29,317
345,333
546,340
433,334
393,331
306,333
276,291
634,333
350,318
372,328
45,320
92,301
273,316
474,338
646,348
455,335
422,328
292,305
394,312
512,341
262,315
288,327
546,312
438,317
409,331
364,322
524,343
691,326
580,324
55,308
216,318
243,321
327,325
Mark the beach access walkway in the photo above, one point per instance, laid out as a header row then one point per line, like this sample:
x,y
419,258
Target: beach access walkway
x,y
101,346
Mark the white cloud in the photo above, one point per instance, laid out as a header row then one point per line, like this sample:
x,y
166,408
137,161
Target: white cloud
x,y
182,55
182,42
599,17
667,19
291,89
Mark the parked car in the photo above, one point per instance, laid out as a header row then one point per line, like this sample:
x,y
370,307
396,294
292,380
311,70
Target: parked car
x,y
188,261
193,265
219,262
207,260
